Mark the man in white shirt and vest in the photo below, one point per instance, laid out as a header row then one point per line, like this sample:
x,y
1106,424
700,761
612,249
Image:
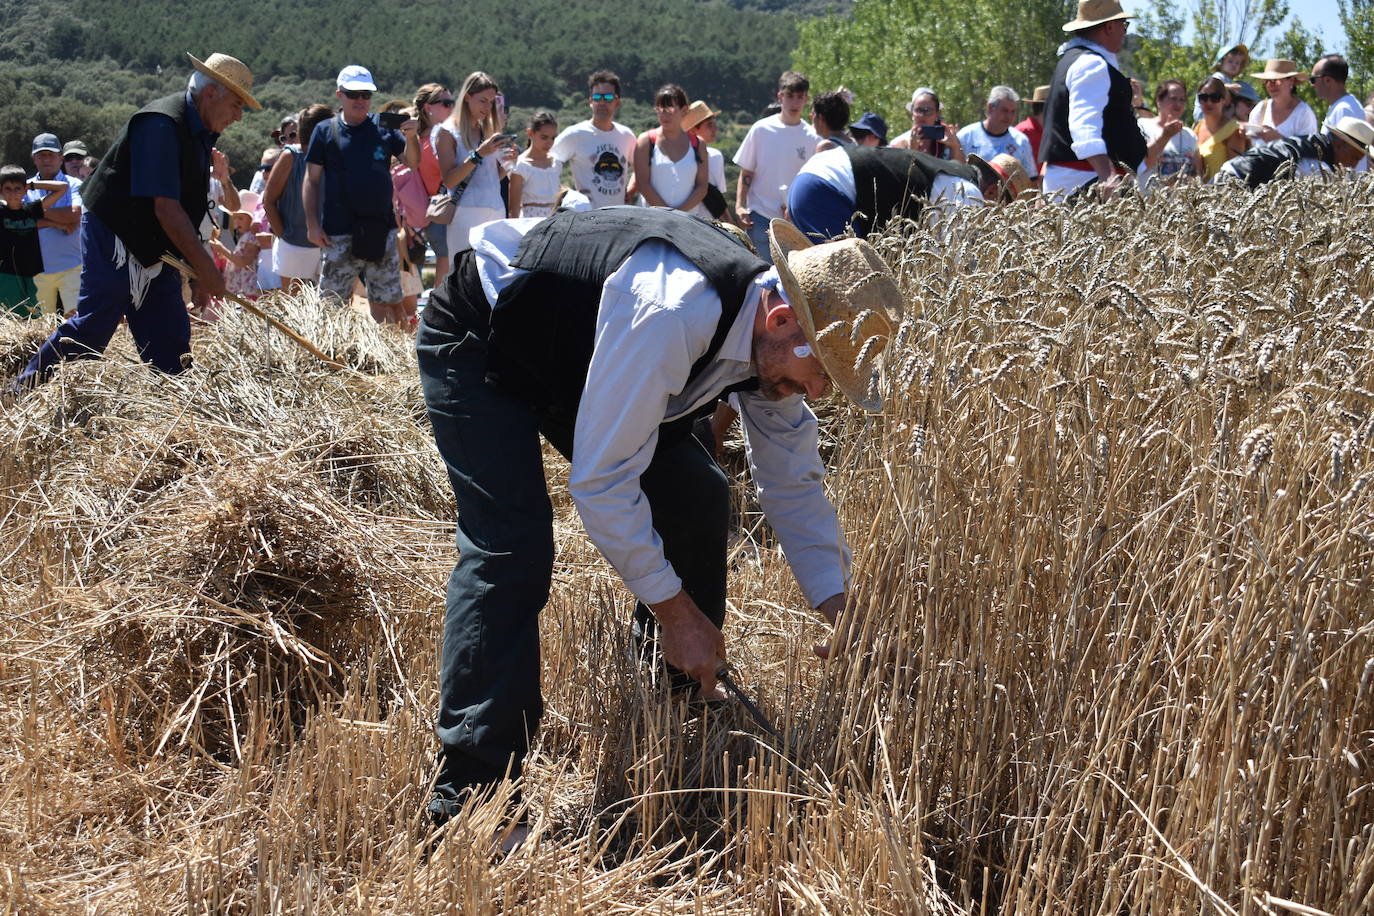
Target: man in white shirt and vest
x,y
1090,127
608,333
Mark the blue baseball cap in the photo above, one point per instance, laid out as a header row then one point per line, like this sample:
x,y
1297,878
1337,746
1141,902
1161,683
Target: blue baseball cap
x,y
46,142
874,124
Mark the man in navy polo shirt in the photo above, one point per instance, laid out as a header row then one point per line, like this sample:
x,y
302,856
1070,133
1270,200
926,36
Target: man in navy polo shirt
x,y
145,200
57,234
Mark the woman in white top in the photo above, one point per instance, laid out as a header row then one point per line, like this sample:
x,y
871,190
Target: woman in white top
x,y
670,167
1171,150
1283,114
470,145
535,185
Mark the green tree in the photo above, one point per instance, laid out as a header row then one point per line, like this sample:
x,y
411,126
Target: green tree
x,y
1357,16
883,49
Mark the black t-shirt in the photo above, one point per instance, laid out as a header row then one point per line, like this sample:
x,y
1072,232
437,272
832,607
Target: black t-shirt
x,y
20,255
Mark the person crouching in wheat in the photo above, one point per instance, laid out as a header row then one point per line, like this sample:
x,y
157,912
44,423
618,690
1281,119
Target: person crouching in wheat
x,y
609,332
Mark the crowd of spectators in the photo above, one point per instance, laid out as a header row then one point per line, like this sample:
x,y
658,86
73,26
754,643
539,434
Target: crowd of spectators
x,y
357,201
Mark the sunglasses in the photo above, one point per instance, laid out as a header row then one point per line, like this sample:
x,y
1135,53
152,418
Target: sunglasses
x,y
1210,96
447,103
357,94
603,96
921,109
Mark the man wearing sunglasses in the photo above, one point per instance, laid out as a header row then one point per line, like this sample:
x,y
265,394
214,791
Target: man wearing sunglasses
x,y
599,150
1329,75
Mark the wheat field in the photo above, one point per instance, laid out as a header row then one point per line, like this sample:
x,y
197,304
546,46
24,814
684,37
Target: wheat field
x,y
1114,534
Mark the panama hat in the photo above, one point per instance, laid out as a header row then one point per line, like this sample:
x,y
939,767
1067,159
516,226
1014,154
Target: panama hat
x,y
1356,131
1096,12
1279,68
1041,94
231,73
847,303
697,112
1005,170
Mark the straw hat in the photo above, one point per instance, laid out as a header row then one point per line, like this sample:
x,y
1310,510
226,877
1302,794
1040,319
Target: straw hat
x,y
697,112
1041,94
847,303
1278,68
231,73
1356,131
1007,171
1096,12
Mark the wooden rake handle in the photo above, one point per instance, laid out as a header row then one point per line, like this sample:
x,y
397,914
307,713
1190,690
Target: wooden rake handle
x,y
277,323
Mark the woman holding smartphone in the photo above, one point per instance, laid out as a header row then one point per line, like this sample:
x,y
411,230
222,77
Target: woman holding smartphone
x,y
471,148
928,133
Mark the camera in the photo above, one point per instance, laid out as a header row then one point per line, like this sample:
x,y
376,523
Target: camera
x,y
932,131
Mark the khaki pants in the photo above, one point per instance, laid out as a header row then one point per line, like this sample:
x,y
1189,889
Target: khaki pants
x,y
67,282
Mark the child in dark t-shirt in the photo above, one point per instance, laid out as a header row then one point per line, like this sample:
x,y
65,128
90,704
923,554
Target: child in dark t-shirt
x,y
21,258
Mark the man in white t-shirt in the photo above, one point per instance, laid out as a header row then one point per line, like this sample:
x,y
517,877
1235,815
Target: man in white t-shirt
x,y
1329,75
599,150
994,136
772,153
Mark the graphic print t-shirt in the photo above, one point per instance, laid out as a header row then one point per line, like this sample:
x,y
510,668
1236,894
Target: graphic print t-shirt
x,y
600,160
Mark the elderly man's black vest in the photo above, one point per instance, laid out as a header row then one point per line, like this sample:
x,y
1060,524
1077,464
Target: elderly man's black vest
x,y
1260,164
541,331
106,193
1125,142
896,182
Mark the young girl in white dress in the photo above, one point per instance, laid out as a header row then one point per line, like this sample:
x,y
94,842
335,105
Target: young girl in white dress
x,y
534,182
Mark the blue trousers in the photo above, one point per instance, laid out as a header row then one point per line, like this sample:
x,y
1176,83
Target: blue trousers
x,y
490,701
820,211
161,327
758,234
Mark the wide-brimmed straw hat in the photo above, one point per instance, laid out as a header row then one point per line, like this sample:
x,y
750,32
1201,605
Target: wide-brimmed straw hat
x,y
1280,68
697,112
1356,131
1096,12
1041,94
847,303
231,73
1006,170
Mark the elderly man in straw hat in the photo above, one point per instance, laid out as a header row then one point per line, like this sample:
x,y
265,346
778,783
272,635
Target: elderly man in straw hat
x,y
1090,129
862,188
1345,143
146,199
609,332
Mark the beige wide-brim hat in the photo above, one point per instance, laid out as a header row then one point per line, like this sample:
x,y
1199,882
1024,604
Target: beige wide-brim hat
x,y
1096,12
1041,94
847,303
1358,132
1006,170
231,73
697,112
1278,68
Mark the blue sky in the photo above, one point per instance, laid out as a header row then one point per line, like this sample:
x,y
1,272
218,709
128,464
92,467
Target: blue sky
x,y
1320,16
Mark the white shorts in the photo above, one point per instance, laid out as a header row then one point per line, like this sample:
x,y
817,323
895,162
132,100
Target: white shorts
x,y
294,261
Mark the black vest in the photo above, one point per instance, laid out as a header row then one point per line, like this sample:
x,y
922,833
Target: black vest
x,y
541,331
1258,165
106,193
896,182
1125,142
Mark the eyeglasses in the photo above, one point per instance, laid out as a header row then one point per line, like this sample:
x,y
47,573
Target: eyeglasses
x,y
73,157
1210,96
357,94
922,109
603,96
447,103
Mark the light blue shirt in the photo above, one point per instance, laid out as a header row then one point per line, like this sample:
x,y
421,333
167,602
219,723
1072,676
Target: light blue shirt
x,y
61,250
656,318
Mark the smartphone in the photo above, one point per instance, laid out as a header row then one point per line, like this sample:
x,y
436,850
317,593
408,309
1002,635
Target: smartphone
x,y
932,132
508,138
392,120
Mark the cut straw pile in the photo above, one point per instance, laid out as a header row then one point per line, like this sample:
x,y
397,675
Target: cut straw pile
x,y
1114,533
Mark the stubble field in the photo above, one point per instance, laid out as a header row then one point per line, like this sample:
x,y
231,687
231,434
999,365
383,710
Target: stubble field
x,y
1114,533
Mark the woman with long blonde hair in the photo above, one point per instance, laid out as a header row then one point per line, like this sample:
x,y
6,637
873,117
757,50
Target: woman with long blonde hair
x,y
471,147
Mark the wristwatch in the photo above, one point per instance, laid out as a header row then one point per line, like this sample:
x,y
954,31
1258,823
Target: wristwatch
x,y
475,158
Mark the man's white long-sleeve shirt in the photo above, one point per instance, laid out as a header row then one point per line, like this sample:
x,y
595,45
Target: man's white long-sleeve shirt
x,y
657,316
1089,81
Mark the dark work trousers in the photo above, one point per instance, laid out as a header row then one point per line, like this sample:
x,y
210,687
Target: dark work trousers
x,y
160,326
489,694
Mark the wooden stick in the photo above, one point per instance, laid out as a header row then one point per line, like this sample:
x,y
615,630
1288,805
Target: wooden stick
x,y
277,323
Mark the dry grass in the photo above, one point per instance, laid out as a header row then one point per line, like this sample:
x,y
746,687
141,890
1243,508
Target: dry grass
x,y
1115,532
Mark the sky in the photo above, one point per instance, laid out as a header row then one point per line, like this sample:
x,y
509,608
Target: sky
x,y
1320,16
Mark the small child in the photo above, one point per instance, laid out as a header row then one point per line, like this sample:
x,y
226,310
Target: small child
x,y
21,258
241,264
534,182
